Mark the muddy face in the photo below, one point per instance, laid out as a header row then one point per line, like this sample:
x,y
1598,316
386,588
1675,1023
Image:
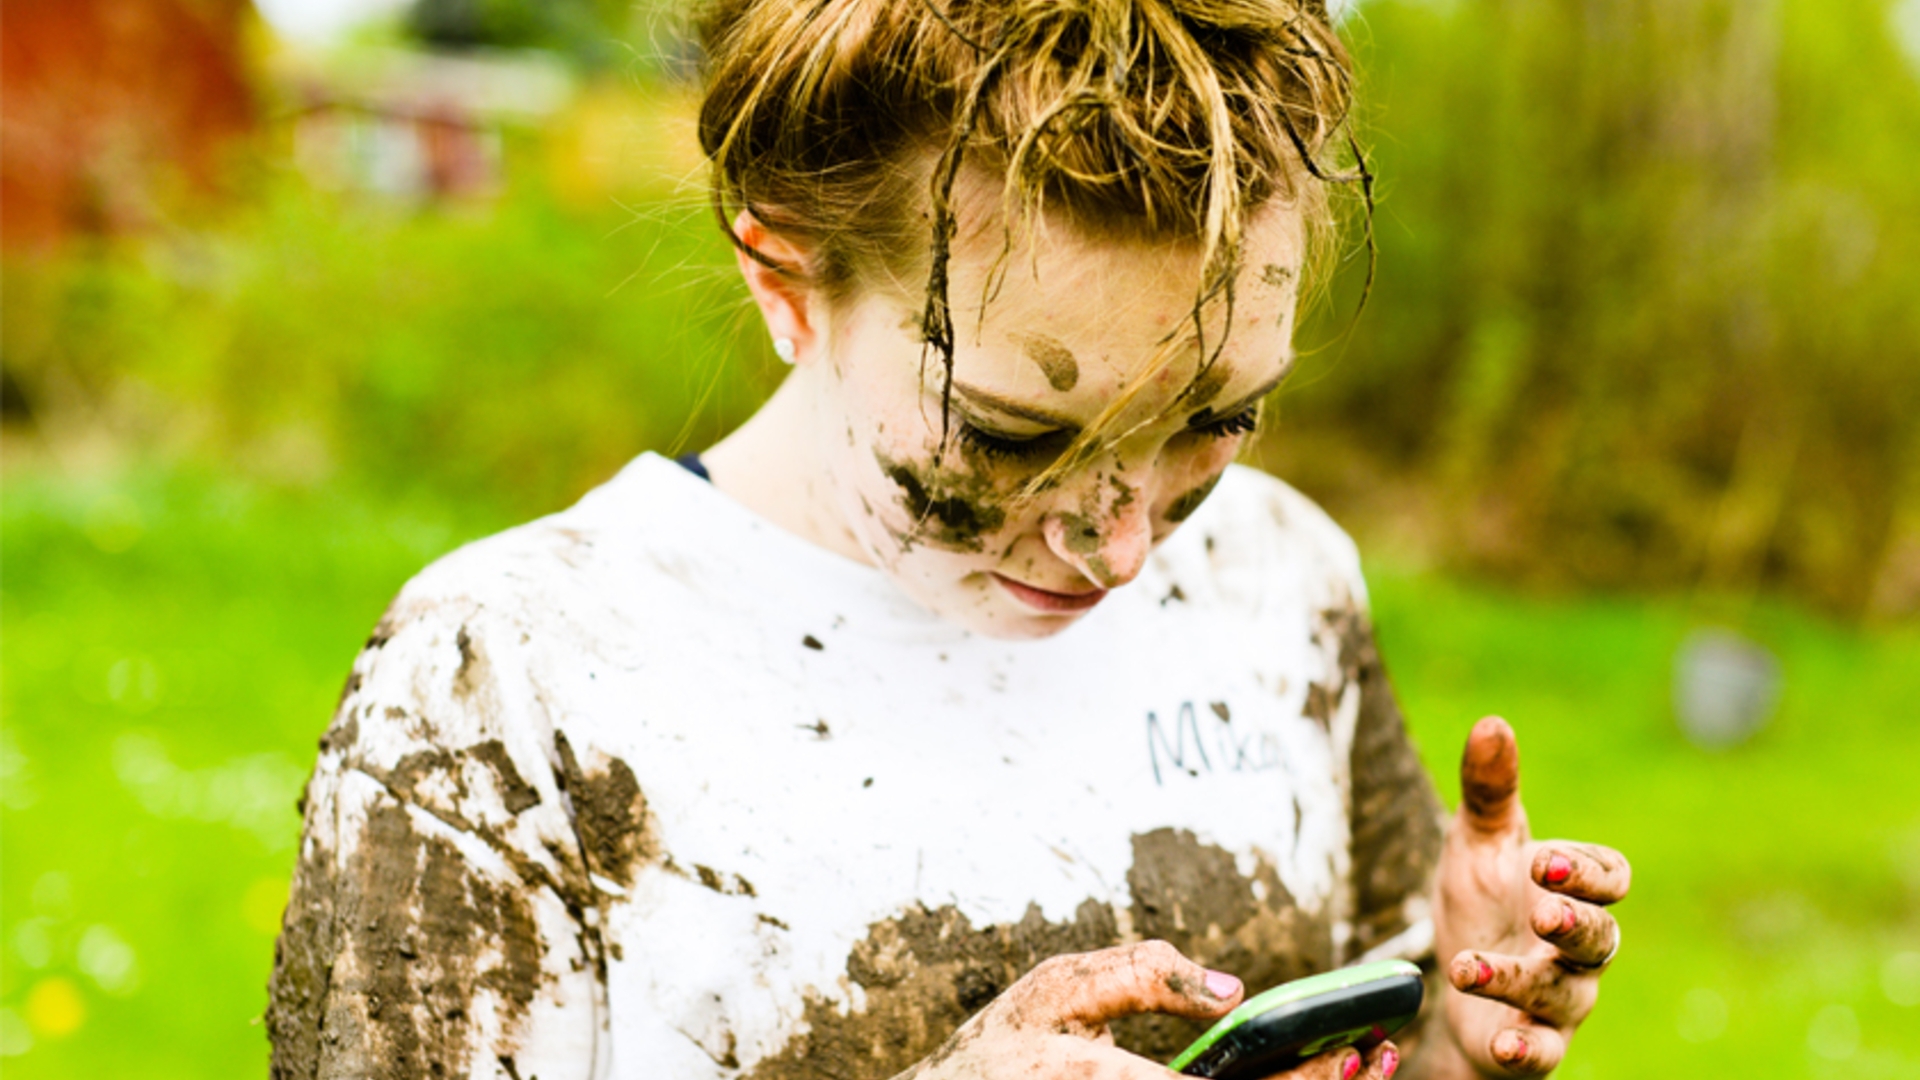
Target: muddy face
x,y
962,500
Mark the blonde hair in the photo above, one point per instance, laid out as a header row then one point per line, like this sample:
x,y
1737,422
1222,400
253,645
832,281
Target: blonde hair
x,y
1161,119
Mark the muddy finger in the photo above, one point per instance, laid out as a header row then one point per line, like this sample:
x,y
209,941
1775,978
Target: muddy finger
x,y
1383,1061
1490,777
1533,1050
1343,1064
1584,933
1587,871
1084,991
1536,986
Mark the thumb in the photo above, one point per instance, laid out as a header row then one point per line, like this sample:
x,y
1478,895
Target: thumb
x,y
1086,991
1490,777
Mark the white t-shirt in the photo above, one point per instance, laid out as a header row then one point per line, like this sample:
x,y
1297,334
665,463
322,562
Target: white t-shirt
x,y
651,788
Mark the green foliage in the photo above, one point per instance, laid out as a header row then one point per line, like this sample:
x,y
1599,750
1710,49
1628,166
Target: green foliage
x,y
592,32
176,641
1646,309
517,357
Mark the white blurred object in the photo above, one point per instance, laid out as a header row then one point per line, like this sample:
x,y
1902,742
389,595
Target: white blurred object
x,y
1724,687
321,21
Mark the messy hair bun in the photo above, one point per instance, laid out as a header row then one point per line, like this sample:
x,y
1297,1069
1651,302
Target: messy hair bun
x,y
843,124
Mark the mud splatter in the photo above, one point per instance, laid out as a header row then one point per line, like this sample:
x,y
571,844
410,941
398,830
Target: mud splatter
x,y
951,508
722,882
342,733
1082,534
1054,360
1206,385
378,966
609,814
1277,275
1193,896
472,674
924,973
515,792
1395,811
1183,507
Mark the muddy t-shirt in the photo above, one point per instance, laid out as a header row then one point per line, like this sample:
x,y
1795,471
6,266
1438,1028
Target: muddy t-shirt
x,y
653,789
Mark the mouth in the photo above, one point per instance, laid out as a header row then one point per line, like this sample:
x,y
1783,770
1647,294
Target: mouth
x,y
1046,601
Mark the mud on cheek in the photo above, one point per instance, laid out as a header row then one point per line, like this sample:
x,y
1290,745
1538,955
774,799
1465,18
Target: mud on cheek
x,y
948,507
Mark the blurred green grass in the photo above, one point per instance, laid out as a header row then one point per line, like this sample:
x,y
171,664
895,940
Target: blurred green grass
x,y
175,642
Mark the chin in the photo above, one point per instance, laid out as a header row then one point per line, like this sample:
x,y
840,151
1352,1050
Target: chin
x,y
1022,627
982,609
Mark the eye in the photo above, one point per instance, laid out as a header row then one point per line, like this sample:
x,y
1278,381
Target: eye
x,y
1226,427
1026,449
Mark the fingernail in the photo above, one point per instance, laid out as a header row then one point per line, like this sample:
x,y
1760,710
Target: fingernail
x,y
1567,920
1389,1061
1483,974
1222,985
1352,1068
1559,868
1513,1048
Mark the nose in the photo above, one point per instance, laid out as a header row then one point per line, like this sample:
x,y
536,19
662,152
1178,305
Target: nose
x,y
1109,536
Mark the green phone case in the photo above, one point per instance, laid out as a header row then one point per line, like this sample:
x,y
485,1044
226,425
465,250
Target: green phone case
x,y
1290,1023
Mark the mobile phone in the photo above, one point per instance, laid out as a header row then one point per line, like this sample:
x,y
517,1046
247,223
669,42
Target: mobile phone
x,y
1283,1027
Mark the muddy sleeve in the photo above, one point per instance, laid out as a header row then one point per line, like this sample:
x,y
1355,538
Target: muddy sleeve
x,y
440,922
1396,817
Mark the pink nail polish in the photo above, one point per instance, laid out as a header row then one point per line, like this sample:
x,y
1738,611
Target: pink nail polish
x,y
1484,975
1222,985
1351,1069
1567,920
1559,869
1389,1061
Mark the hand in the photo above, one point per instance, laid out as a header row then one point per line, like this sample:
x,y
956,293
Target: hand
x,y
1052,1024
1520,922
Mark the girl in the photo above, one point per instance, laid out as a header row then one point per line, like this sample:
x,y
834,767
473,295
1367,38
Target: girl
x,y
966,713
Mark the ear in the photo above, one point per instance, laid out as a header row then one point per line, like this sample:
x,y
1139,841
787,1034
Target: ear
x,y
785,301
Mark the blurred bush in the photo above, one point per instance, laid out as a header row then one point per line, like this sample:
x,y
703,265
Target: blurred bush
x,y
512,356
1649,299
1646,312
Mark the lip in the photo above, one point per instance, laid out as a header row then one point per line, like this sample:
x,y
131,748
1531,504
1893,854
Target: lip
x,y
1046,601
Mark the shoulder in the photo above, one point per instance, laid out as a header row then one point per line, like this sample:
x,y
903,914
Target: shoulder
x,y
457,699
1258,536
561,551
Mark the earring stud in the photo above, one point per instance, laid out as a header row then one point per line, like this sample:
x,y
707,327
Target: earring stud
x,y
783,348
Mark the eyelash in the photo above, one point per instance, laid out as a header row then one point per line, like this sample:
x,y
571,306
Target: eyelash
x,y
1240,423
999,446
1050,444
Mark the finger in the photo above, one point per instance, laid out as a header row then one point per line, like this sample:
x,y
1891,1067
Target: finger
x,y
1536,986
1383,1061
1490,776
1532,1050
1588,871
1085,991
1345,1063
1584,934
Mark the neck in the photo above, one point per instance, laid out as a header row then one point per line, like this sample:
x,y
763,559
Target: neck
x,y
773,466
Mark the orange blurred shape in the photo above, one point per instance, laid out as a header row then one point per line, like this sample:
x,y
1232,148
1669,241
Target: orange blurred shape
x,y
108,108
